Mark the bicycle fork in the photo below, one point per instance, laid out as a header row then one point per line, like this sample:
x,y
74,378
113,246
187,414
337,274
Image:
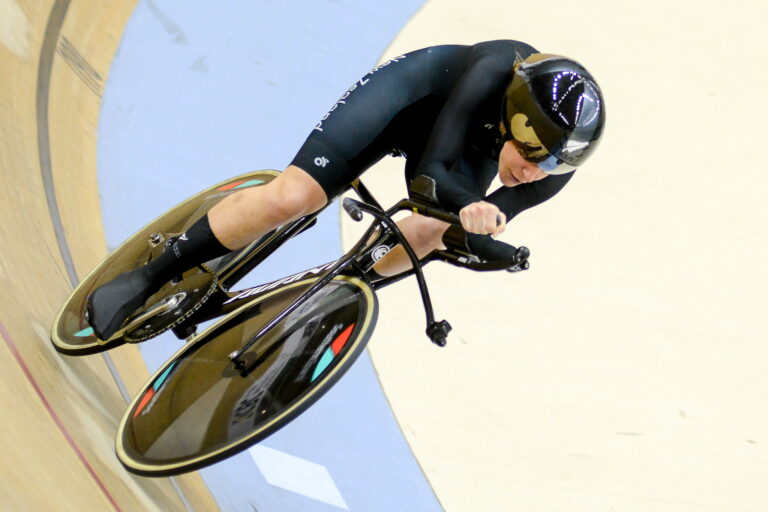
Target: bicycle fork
x,y
437,331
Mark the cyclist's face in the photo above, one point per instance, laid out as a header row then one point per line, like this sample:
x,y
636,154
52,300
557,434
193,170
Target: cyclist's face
x,y
514,169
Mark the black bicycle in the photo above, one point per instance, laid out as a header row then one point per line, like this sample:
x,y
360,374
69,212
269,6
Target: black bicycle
x,y
277,347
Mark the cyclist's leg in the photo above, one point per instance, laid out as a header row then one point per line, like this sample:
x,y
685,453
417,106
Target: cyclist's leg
x,y
424,235
244,216
235,222
356,133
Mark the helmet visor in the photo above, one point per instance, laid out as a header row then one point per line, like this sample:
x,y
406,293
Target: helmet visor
x,y
520,132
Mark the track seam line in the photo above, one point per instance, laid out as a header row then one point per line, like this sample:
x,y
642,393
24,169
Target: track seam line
x,y
12,347
47,54
45,66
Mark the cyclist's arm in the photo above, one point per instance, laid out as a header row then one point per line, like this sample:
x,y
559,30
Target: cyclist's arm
x,y
449,134
513,200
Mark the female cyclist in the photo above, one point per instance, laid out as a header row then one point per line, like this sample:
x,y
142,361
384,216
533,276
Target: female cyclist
x,y
458,114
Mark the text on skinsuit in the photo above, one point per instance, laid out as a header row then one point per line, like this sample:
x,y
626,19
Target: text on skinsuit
x,y
359,83
290,279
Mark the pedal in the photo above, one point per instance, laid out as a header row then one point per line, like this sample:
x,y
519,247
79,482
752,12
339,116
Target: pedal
x,y
170,307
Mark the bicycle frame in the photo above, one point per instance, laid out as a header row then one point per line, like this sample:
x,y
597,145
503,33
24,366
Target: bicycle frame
x,y
382,236
255,323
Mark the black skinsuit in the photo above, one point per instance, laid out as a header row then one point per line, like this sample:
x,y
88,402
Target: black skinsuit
x,y
440,108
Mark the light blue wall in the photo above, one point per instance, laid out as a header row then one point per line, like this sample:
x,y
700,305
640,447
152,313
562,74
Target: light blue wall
x,y
201,91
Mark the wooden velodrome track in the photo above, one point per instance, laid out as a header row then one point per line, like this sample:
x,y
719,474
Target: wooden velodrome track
x,y
60,413
625,371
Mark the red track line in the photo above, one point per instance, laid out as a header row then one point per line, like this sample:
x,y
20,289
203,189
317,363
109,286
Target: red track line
x,y
54,416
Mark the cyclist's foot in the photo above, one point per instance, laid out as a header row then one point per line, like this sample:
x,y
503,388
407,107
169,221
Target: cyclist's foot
x,y
112,303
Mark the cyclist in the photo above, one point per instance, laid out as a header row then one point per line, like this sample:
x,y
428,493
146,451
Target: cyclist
x,y
438,107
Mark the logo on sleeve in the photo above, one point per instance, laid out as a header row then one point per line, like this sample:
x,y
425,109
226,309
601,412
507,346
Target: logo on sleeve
x,y
321,161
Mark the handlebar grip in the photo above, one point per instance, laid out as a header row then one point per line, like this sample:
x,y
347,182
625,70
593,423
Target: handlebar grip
x,y
523,253
354,211
489,249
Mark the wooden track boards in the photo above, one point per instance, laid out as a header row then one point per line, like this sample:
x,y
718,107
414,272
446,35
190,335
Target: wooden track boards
x,y
60,413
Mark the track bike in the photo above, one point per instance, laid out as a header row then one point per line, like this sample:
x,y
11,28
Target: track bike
x,y
276,348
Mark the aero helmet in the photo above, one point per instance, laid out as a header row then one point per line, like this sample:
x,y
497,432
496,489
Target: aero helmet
x,y
553,112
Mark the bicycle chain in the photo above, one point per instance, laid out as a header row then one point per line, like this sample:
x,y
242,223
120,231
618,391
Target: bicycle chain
x,y
187,314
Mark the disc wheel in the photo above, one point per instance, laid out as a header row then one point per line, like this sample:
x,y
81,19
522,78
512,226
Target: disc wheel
x,y
199,408
71,333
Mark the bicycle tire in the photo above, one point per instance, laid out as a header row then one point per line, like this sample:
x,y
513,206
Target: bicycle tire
x,y
70,333
197,409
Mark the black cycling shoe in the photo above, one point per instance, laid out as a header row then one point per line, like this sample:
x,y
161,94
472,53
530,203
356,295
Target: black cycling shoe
x,y
112,303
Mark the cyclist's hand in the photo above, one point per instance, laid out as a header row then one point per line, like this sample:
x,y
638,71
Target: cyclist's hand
x,y
483,218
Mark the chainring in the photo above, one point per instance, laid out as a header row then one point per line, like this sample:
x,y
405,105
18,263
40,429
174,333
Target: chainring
x,y
172,305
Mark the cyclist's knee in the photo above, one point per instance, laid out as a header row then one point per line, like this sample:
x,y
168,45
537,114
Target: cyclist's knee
x,y
429,231
295,193
433,228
